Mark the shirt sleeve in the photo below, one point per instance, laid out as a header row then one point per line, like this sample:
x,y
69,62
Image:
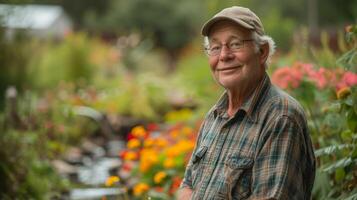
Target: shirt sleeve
x,y
280,168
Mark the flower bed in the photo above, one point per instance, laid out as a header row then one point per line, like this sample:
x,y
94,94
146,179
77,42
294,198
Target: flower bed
x,y
155,160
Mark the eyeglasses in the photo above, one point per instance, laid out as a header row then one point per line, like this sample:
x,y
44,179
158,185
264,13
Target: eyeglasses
x,y
233,46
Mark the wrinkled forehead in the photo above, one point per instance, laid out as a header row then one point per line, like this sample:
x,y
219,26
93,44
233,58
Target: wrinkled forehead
x,y
226,28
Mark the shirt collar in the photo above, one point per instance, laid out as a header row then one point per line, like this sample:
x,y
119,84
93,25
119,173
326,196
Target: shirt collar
x,y
249,105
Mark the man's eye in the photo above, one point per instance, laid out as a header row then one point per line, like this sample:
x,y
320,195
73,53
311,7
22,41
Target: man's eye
x,y
215,48
235,45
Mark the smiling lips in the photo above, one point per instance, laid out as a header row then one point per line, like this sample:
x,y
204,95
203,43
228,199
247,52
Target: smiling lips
x,y
229,68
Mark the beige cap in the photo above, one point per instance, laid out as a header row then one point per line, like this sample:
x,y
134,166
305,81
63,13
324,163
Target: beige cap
x,y
240,15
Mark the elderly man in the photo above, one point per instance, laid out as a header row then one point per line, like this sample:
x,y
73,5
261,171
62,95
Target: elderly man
x,y
254,143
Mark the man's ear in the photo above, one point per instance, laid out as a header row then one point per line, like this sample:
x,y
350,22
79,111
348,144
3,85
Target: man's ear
x,y
264,52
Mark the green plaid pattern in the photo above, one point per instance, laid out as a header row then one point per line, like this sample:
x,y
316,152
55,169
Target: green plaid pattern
x,y
263,152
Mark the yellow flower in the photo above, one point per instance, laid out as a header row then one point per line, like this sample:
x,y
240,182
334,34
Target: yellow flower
x,y
140,188
133,143
160,142
187,130
174,133
159,177
149,142
173,151
148,158
111,180
144,166
185,145
130,156
169,163
343,92
139,131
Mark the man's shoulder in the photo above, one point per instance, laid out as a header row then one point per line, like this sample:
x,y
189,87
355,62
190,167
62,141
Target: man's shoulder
x,y
281,103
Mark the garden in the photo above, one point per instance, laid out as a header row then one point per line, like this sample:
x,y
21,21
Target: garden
x,y
103,115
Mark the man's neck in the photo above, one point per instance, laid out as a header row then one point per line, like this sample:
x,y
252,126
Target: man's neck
x,y
236,98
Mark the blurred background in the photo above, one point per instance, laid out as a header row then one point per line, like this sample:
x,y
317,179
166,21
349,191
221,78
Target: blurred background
x,y
103,99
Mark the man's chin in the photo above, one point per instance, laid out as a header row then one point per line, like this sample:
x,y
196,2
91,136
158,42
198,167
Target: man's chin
x,y
229,84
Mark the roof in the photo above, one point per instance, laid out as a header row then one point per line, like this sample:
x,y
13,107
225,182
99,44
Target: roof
x,y
29,16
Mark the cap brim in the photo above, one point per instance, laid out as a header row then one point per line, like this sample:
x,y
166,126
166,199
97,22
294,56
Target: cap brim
x,y
208,25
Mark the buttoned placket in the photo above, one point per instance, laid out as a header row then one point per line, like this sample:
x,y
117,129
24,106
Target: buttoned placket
x,y
222,132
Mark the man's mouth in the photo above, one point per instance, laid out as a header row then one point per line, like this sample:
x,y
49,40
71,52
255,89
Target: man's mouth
x,y
229,68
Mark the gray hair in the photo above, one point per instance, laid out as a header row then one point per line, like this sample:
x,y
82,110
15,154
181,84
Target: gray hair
x,y
259,41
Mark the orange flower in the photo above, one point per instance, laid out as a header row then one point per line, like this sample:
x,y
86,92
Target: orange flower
x,y
133,143
169,163
173,151
144,166
139,132
343,92
140,188
185,145
159,177
160,142
148,158
179,148
159,189
175,185
187,130
348,28
130,155
111,180
174,133
149,142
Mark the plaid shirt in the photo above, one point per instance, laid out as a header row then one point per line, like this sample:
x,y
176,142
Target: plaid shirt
x,y
263,152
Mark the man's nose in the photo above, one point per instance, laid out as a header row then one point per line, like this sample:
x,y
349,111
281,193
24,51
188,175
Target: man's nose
x,y
225,53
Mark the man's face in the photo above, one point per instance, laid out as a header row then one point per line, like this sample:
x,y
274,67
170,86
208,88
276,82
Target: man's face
x,y
236,70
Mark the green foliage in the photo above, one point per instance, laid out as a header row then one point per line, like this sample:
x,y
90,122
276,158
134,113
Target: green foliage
x,y
279,28
143,96
25,172
67,61
36,131
324,55
172,25
340,158
329,96
81,71
349,59
14,57
194,78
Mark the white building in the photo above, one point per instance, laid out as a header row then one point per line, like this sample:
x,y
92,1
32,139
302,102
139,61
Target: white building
x,y
40,21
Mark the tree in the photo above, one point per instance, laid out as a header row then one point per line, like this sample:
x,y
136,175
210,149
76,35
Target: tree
x,y
170,25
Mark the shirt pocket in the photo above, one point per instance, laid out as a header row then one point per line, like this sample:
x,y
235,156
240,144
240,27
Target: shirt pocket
x,y
237,177
197,165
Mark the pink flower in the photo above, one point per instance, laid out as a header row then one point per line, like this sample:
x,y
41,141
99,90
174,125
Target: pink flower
x,y
319,77
287,77
305,68
348,79
291,77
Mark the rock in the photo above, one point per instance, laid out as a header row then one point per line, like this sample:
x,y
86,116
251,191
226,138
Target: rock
x,y
96,193
73,156
97,172
92,149
114,147
64,168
